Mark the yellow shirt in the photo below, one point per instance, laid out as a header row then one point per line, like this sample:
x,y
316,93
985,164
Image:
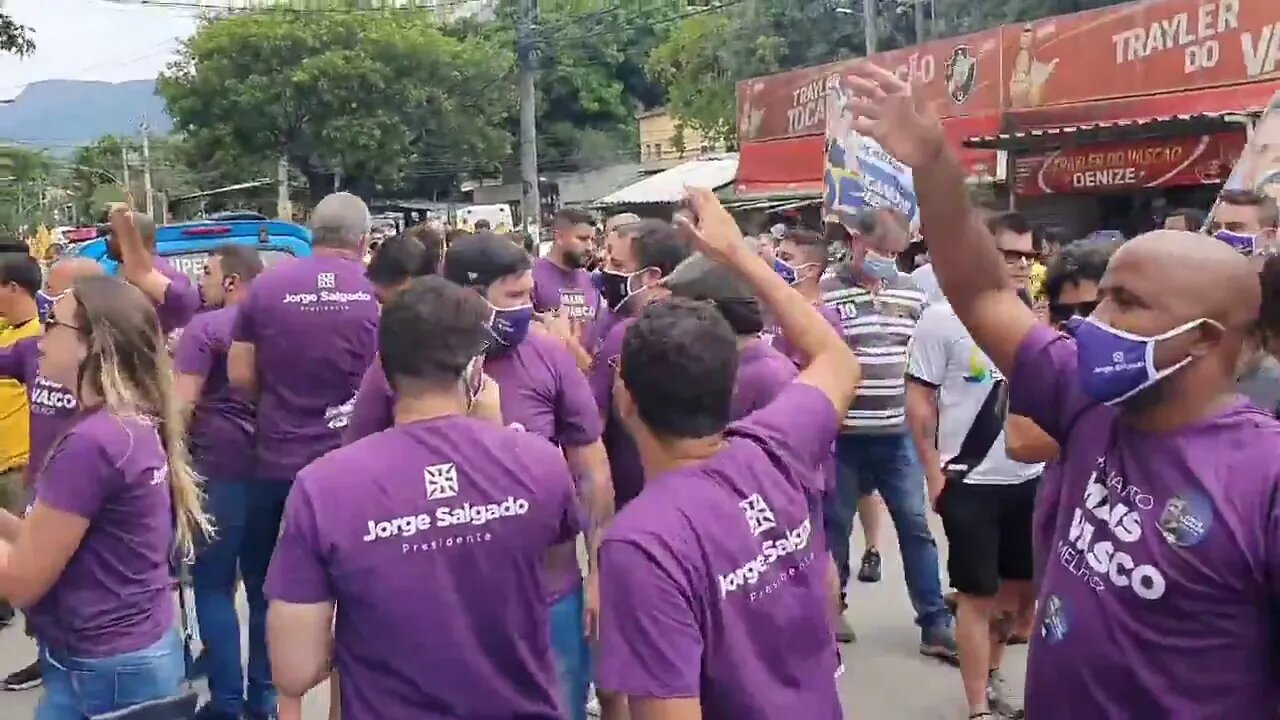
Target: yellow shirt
x,y
1037,280
15,418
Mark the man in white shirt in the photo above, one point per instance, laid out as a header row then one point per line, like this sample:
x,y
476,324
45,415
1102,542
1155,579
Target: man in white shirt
x,y
957,404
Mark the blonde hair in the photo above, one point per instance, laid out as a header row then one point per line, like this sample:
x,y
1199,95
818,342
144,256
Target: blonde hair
x,y
128,366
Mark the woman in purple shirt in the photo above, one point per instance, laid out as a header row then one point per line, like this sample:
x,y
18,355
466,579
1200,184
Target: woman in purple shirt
x,y
92,560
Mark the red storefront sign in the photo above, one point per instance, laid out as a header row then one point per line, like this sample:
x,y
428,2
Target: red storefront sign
x,y
1108,167
962,74
1140,48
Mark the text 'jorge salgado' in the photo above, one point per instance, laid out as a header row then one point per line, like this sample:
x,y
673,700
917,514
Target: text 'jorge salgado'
x,y
444,517
327,296
771,551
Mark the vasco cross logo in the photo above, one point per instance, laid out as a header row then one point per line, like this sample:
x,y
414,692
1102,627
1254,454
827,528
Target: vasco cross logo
x,y
961,73
326,281
442,481
759,515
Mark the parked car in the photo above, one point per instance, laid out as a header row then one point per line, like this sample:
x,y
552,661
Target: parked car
x,y
187,245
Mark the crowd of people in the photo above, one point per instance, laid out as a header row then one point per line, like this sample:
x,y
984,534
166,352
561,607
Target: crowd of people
x,y
457,481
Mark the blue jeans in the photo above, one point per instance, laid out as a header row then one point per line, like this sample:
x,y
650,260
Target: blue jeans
x,y
75,688
572,654
247,515
887,464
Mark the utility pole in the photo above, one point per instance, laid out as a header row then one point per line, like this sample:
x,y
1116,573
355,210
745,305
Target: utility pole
x,y
919,11
124,162
531,205
284,209
146,168
869,22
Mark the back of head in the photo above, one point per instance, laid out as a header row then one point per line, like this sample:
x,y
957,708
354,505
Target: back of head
x,y
1076,263
340,221
1269,316
428,334
242,261
656,244
413,253
679,362
478,260
701,278
22,271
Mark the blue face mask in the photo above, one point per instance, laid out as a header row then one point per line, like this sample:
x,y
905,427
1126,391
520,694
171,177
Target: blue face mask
x,y
1115,365
787,271
879,267
510,325
1244,243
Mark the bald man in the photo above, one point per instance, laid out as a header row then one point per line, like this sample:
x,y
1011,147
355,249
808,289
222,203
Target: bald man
x,y
132,243
1160,596
301,340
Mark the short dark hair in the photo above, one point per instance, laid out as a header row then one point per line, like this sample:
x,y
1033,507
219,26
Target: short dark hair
x,y
479,260
482,225
1083,261
1194,217
573,216
1252,198
1014,222
405,256
241,260
453,318
1269,278
22,270
656,244
679,362
814,245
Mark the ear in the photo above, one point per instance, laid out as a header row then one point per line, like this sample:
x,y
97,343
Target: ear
x,y
623,404
1209,336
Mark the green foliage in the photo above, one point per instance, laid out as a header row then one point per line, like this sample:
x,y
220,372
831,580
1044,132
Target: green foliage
x,y
372,98
24,176
15,38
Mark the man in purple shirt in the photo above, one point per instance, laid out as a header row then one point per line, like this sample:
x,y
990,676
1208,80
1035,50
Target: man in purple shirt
x,y
1160,597
132,242
301,341
220,437
714,596
637,258
562,286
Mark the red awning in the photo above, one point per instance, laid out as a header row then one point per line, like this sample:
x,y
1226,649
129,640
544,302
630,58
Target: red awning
x,y
795,166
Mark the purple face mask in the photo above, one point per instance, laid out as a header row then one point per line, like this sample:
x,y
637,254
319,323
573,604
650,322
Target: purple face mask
x,y
1115,365
1244,243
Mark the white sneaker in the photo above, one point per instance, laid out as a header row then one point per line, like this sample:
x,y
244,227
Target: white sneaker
x,y
593,704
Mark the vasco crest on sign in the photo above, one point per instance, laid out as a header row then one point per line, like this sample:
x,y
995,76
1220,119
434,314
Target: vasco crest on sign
x,y
961,73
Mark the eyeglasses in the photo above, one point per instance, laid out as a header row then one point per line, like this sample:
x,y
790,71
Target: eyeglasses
x,y
1013,256
1062,312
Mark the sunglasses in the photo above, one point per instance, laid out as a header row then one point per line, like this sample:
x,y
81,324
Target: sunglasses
x,y
1062,312
54,322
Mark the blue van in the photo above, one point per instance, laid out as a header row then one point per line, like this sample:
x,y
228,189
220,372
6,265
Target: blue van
x,y
187,245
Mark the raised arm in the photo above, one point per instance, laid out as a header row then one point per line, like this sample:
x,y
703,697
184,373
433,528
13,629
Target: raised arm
x,y
964,255
137,260
833,369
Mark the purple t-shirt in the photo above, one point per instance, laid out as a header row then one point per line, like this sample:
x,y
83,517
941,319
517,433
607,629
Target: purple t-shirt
x,y
774,333
53,407
114,595
1160,593
314,323
222,426
453,563
556,288
762,373
710,583
181,298
624,458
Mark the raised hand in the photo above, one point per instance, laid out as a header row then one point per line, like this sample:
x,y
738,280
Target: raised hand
x,y
716,234
886,110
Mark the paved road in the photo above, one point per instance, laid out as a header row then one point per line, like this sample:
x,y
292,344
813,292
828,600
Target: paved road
x,y
886,677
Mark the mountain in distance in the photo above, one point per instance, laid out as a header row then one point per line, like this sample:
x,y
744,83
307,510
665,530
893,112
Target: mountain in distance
x,y
61,114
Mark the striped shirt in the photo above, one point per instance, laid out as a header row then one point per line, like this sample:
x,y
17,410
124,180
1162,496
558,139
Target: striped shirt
x,y
878,326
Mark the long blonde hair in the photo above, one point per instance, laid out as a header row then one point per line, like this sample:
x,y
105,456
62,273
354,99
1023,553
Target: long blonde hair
x,y
128,366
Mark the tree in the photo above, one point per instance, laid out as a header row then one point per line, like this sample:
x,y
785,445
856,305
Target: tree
x,y
95,174
362,101
15,38
24,178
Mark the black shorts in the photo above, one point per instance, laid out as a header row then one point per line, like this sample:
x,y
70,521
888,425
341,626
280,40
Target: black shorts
x,y
988,534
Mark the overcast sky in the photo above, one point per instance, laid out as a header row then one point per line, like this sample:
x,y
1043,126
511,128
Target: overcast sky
x,y
93,40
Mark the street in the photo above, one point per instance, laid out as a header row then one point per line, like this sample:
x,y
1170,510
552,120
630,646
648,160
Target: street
x,y
885,676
